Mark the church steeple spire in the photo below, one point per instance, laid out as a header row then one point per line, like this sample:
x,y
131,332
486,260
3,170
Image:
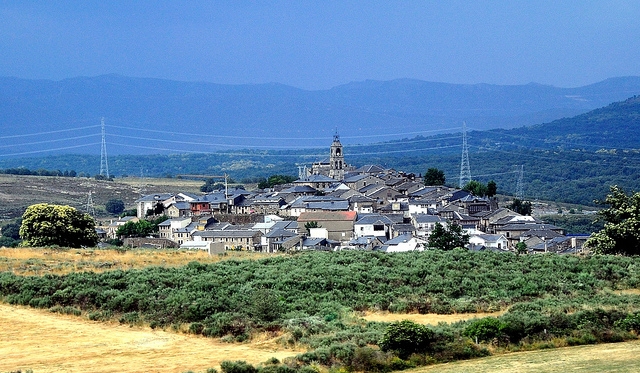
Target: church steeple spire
x,y
336,160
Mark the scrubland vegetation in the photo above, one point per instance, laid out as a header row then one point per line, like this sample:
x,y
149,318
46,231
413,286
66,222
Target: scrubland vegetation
x,y
309,300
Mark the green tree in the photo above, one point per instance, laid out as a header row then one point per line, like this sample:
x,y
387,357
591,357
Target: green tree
x,y
114,206
476,188
141,228
485,329
492,188
521,248
311,224
274,180
11,230
211,185
621,232
405,338
521,207
434,176
447,238
44,225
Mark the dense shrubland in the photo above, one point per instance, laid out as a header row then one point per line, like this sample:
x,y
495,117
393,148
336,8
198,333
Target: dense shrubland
x,y
308,298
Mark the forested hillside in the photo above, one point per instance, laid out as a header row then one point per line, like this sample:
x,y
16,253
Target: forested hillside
x,y
146,116
571,160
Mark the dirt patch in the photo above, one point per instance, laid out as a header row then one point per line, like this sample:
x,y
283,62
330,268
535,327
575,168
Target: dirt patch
x,y
45,342
431,319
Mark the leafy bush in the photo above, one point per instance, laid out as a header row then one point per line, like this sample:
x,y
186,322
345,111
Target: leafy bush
x,y
406,337
486,329
238,366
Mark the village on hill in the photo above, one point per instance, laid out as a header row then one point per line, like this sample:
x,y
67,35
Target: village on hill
x,y
336,206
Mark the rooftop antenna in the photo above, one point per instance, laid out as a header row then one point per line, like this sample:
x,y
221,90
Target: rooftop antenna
x,y
465,170
104,164
520,184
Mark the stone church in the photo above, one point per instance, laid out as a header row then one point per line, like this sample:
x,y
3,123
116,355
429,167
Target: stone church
x,y
334,167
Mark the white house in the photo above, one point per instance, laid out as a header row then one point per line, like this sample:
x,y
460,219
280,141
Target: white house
x,y
403,243
497,241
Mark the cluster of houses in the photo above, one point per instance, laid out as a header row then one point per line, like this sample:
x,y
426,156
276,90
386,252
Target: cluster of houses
x,y
336,206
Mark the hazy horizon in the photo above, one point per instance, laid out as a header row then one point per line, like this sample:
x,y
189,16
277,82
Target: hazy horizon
x,y
317,46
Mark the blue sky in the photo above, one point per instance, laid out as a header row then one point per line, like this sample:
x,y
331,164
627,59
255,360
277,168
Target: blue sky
x,y
318,45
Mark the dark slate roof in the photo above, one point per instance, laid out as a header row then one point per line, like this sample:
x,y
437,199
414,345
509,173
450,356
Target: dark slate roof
x,y
279,233
327,216
404,206
517,219
484,248
182,205
352,178
370,169
315,179
400,239
155,197
489,213
189,228
404,227
211,197
366,240
329,205
303,201
473,199
490,237
227,233
528,227
374,219
547,233
360,198
300,189
286,224
370,187
458,194
426,218
423,191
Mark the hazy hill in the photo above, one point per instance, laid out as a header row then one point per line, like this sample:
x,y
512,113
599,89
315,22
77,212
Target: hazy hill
x,y
159,116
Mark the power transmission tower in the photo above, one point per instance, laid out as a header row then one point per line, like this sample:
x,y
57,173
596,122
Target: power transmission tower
x,y
520,184
104,164
465,170
90,209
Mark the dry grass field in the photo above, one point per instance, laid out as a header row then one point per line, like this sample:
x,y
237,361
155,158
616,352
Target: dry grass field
x,y
35,261
17,192
610,358
430,318
46,342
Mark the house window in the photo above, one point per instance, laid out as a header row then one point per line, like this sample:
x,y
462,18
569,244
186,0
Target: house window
x,y
378,227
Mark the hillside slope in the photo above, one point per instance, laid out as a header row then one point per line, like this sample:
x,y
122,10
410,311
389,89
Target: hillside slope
x,y
153,115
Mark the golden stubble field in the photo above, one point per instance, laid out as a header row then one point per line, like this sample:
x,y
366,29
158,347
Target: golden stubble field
x,y
46,342
38,261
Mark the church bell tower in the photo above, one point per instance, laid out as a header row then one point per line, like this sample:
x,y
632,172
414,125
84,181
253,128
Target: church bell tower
x,y
336,160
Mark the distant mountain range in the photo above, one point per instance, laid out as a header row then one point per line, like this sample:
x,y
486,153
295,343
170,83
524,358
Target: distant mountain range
x,y
147,116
